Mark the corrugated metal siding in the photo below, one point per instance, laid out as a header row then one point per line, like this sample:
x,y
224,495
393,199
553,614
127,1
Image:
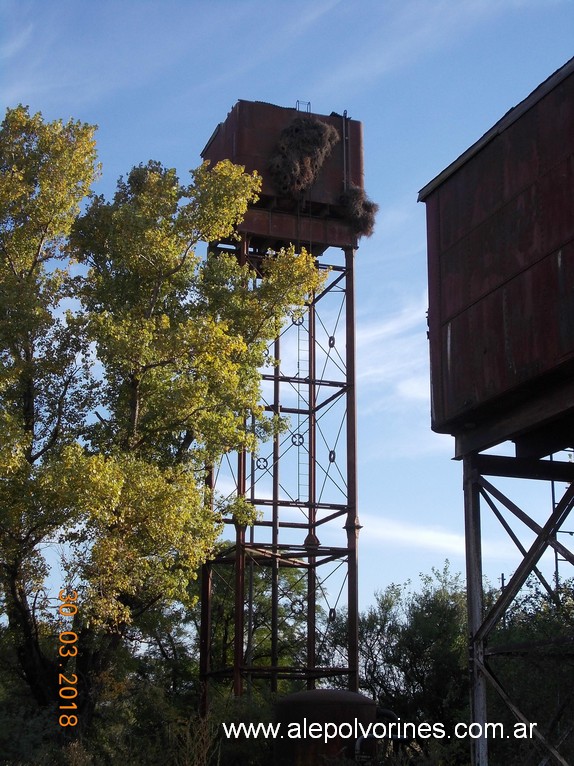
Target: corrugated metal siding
x,y
501,264
249,137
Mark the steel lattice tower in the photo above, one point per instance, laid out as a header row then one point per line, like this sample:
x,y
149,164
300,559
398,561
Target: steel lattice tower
x,y
303,482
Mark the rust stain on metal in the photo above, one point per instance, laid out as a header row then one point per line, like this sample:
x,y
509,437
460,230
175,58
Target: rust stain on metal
x,y
501,269
249,136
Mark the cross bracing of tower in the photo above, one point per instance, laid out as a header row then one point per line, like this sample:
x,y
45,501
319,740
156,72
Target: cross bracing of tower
x,y
302,484
292,575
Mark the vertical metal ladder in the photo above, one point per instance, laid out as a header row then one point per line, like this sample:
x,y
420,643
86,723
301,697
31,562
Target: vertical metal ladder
x,y
302,408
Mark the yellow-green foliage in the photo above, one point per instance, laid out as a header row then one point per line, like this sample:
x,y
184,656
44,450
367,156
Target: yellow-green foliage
x,y
47,170
127,364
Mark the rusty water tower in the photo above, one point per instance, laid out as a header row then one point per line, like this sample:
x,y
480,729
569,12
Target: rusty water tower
x,y
304,483
500,224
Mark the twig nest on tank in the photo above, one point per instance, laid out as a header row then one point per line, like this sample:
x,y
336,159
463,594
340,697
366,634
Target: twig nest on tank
x,y
302,148
359,210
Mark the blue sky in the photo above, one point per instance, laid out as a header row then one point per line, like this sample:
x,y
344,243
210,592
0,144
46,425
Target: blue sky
x,y
426,77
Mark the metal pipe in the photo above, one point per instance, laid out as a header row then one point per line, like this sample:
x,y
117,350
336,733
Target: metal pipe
x,y
312,540
345,137
479,747
239,611
205,638
205,614
275,522
352,525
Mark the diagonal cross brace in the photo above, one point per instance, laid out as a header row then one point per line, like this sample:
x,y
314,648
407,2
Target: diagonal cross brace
x,y
525,518
543,540
519,715
510,532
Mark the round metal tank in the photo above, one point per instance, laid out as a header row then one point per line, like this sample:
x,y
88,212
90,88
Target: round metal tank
x,y
320,725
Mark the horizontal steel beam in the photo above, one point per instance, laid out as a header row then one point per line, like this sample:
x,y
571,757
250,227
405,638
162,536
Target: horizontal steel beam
x,y
524,468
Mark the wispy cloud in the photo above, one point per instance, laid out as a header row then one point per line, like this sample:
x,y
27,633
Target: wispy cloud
x,y
309,14
400,32
91,52
280,37
393,384
83,54
397,533
393,356
12,46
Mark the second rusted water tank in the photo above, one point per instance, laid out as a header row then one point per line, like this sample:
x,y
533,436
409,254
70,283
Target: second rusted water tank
x,y
500,223
320,725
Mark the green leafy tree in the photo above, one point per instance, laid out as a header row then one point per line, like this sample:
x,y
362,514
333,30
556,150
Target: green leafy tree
x,y
127,363
46,171
431,650
413,655
413,661
291,616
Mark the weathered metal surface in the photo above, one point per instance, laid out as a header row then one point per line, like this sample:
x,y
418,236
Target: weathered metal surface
x,y
322,707
250,134
501,329
501,272
275,228
249,137
483,622
292,482
475,606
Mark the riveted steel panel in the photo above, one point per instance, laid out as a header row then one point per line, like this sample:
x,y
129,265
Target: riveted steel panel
x,y
250,134
501,268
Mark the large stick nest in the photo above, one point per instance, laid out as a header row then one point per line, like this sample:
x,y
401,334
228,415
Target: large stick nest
x,y
359,210
301,151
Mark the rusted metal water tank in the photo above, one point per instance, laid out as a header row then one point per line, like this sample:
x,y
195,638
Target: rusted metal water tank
x,y
262,136
500,224
252,130
320,725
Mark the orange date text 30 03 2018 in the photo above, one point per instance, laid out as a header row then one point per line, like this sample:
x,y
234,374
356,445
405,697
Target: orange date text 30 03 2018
x,y
67,690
